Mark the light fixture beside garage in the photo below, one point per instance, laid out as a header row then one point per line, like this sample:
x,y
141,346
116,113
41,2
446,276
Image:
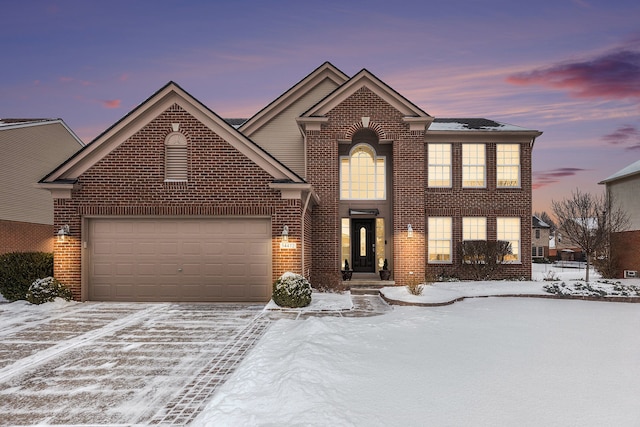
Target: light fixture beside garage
x,y
63,233
284,241
409,231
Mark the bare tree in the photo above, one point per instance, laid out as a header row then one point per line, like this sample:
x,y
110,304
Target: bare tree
x,y
588,221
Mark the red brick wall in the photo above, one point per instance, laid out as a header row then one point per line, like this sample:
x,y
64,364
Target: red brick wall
x,y
489,202
18,236
628,249
130,181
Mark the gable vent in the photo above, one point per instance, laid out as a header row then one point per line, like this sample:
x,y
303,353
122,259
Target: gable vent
x,y
176,157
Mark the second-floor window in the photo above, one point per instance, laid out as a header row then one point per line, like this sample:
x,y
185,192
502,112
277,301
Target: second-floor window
x,y
473,165
508,165
439,165
362,174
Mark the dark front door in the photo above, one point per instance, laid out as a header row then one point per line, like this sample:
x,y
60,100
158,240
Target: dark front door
x,y
363,247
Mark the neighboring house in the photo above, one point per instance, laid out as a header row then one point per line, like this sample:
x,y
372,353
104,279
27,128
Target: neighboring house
x,y
30,149
173,203
622,189
540,235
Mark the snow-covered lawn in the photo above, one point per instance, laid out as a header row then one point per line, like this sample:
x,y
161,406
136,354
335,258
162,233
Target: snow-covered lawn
x,y
480,362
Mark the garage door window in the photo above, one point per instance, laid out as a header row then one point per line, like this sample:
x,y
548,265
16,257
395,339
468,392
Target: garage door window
x,y
176,159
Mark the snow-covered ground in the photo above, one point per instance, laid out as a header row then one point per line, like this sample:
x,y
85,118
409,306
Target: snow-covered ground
x,y
480,362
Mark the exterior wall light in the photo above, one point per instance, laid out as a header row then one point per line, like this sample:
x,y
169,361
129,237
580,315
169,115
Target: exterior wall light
x,y
285,233
409,231
63,233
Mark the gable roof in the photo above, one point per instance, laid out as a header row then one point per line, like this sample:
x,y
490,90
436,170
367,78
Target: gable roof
x,y
131,123
262,117
538,223
8,124
365,78
632,169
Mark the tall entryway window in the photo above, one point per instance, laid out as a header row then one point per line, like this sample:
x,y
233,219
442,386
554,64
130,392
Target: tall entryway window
x,y
362,174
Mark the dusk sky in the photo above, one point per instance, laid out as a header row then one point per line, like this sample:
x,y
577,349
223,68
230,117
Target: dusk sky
x,y
569,68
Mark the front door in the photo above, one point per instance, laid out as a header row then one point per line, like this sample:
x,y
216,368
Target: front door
x,y
363,248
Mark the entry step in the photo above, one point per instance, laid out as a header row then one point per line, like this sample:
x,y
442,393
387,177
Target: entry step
x,y
367,286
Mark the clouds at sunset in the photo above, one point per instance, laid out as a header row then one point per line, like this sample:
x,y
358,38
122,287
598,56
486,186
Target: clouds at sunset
x,y
627,136
548,177
111,103
614,75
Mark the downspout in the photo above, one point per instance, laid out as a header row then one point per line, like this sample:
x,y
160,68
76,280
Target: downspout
x,y
304,211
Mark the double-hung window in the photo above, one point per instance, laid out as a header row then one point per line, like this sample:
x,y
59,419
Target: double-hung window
x,y
439,240
508,165
473,165
508,229
439,165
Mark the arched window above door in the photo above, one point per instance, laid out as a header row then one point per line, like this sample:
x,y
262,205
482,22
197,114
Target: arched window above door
x,y
362,174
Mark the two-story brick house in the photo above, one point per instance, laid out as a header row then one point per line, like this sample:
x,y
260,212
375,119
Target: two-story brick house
x,y
174,203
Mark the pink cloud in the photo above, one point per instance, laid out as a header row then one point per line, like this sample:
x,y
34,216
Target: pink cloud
x,y
544,178
64,79
111,103
611,76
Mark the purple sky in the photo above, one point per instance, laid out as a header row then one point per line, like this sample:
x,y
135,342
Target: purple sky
x,y
570,68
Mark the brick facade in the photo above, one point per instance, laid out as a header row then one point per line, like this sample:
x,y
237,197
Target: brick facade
x,y
129,181
25,237
626,245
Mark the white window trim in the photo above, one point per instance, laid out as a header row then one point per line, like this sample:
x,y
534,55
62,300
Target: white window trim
x,y
519,165
429,164
375,158
484,167
519,259
450,261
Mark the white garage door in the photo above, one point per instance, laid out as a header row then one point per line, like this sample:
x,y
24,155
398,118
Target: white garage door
x,y
179,259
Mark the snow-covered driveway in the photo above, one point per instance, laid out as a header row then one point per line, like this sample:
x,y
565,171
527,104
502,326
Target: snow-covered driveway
x,y
113,363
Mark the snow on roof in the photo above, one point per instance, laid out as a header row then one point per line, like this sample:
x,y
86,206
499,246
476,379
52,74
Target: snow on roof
x,y
632,169
471,124
538,223
7,123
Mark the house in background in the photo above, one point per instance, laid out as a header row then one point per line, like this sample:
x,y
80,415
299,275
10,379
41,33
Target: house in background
x,y
30,149
540,235
174,203
622,191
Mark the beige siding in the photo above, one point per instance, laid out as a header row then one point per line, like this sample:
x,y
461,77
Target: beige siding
x,y
28,154
624,193
281,137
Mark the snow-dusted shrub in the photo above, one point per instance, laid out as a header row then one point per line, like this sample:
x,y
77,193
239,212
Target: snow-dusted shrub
x,y
47,290
292,290
19,269
415,286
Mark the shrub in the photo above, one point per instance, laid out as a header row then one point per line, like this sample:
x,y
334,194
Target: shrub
x,y
482,259
18,270
47,290
415,286
292,290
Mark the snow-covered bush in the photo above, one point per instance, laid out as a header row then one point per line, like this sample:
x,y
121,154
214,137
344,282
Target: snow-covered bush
x,y
414,285
292,290
600,288
47,290
19,269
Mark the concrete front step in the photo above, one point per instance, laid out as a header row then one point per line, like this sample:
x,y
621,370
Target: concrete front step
x,y
366,286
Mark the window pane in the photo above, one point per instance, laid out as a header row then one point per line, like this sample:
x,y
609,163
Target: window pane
x,y
509,230
439,168
473,165
362,175
363,241
346,241
474,228
439,239
508,165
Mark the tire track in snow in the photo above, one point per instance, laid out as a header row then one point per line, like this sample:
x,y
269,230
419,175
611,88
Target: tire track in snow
x,y
21,366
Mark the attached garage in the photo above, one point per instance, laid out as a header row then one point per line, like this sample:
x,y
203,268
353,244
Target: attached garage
x,y
179,259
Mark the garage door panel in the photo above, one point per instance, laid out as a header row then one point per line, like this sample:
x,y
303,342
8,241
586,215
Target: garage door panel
x,y
172,259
